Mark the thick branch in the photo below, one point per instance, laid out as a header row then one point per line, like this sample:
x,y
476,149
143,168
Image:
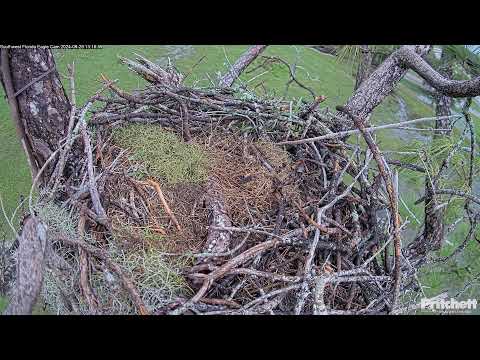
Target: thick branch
x,y
383,80
218,241
452,88
380,83
240,65
30,266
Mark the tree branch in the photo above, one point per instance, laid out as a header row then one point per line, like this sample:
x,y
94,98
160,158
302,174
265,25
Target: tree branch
x,y
452,88
240,65
392,195
383,80
30,266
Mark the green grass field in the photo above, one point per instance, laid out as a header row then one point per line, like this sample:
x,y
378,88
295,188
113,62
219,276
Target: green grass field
x,y
322,73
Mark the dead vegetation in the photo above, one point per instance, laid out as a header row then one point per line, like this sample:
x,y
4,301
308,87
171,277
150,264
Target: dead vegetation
x,y
207,214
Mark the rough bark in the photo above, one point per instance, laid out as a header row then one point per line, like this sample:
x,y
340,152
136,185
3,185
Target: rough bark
x,y
381,82
434,232
384,79
218,241
30,266
443,105
241,64
452,88
364,66
40,100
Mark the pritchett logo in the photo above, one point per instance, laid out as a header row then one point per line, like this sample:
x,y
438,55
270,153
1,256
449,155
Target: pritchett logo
x,y
449,306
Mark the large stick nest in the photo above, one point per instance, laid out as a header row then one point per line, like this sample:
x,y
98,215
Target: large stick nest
x,y
219,219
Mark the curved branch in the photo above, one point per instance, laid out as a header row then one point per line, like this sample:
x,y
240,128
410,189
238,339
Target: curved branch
x,y
383,80
379,84
452,88
293,77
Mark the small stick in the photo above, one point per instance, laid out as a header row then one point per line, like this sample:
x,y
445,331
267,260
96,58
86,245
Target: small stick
x,y
304,292
320,227
357,131
164,203
95,196
311,108
225,302
392,195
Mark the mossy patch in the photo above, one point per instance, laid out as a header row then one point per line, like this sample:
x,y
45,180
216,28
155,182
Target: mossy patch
x,y
157,277
162,153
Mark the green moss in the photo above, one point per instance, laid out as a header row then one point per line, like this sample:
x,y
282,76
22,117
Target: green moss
x,y
158,277
151,271
163,154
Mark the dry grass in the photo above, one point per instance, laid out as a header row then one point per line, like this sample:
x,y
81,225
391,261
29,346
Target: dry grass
x,y
241,168
246,171
156,230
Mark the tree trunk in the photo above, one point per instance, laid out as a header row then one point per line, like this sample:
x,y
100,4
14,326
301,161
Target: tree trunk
x,y
241,64
39,105
443,106
433,233
364,66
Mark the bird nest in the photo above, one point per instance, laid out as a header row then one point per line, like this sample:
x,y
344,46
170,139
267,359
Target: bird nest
x,y
207,203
